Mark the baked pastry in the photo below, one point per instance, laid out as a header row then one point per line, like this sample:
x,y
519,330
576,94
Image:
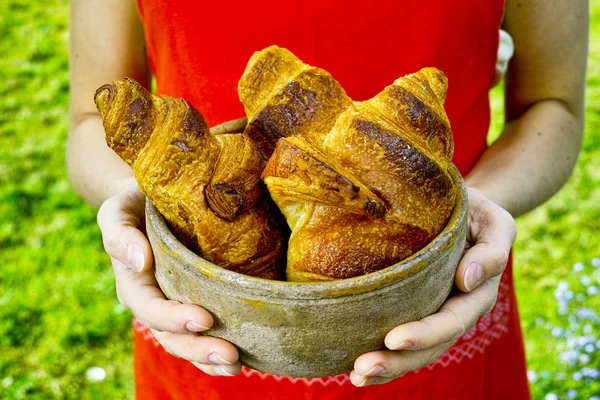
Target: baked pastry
x,y
207,187
283,96
363,185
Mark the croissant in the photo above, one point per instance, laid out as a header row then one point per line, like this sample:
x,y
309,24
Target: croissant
x,y
282,97
206,186
362,185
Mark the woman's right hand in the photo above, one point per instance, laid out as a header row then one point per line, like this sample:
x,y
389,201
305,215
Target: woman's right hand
x,y
176,326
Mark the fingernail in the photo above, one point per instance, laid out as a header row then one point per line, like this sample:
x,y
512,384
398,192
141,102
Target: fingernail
x,y
215,358
135,257
473,276
220,371
375,371
194,327
363,382
406,344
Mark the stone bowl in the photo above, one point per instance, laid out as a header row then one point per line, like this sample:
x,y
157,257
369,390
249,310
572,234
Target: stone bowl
x,y
310,329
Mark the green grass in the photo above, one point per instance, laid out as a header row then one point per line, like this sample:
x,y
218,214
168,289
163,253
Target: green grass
x,y
58,311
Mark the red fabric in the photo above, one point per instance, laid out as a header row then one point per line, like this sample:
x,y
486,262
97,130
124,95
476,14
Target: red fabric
x,y
199,49
487,363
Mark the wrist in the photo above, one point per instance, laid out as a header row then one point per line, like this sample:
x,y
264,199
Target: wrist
x,y
492,191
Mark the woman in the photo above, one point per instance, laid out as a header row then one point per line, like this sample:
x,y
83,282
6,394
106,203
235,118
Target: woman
x,y
198,51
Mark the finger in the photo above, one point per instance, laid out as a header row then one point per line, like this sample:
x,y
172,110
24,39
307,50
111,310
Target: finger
x,y
140,292
220,370
205,350
120,219
382,366
131,255
493,231
457,316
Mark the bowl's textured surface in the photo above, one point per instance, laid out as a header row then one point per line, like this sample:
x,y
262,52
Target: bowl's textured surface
x,y
309,329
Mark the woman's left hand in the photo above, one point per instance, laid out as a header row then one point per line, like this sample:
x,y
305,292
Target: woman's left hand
x,y
490,235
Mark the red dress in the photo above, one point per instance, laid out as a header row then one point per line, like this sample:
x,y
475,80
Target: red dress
x,y
199,49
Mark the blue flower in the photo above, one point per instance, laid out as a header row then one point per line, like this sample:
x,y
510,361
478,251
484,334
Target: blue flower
x,y
585,280
545,374
585,313
559,295
562,310
532,376
569,356
583,340
574,326
569,295
577,335
557,332
592,373
568,334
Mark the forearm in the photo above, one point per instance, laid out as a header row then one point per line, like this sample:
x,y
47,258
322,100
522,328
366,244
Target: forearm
x,y
96,171
107,44
544,91
532,159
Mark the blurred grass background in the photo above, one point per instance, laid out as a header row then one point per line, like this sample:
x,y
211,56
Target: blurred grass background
x,y
59,317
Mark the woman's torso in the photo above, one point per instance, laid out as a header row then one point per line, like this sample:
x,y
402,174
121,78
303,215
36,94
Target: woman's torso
x,y
198,50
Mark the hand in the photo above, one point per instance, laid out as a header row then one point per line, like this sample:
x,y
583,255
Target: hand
x,y
490,235
175,325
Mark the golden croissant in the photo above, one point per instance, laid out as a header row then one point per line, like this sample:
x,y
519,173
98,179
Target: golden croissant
x,y
362,185
206,186
284,97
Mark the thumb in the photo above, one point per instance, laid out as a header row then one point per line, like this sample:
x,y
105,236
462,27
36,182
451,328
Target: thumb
x,y
492,233
121,220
